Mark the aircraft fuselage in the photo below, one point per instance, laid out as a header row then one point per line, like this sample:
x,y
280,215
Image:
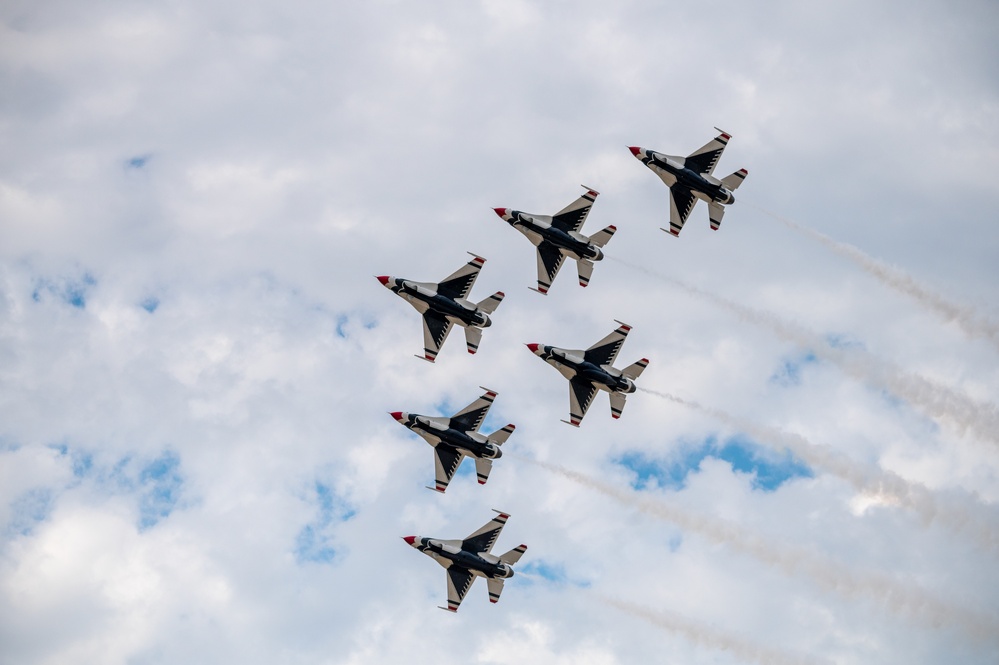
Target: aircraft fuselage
x,y
670,167
437,432
449,553
424,297
571,364
574,245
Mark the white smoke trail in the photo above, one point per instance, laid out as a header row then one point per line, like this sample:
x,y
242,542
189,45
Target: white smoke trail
x,y
695,631
955,515
932,399
972,324
900,598
708,636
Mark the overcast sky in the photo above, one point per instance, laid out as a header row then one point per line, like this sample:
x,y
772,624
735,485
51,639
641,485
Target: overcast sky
x,y
196,362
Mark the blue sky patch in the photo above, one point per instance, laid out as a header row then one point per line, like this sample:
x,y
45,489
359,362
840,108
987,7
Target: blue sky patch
x,y
770,469
137,162
789,373
29,509
71,291
150,304
160,482
314,542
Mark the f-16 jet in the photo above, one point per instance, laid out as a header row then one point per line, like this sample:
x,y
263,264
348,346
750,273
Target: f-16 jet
x,y
592,370
443,305
689,178
456,437
557,237
464,560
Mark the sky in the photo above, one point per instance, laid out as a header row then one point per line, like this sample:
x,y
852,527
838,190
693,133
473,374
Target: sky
x,y
197,464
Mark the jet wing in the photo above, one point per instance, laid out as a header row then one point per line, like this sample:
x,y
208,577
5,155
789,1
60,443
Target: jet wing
x,y
605,351
459,283
550,259
571,217
470,418
681,202
581,394
435,331
446,462
703,159
459,581
484,538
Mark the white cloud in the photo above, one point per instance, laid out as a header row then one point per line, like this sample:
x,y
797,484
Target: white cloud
x,y
194,199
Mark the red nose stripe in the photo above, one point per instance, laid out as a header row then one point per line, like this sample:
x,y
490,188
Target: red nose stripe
x,y
500,211
409,539
383,279
533,348
635,150
396,414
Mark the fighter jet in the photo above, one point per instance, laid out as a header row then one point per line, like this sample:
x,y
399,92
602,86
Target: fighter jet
x,y
455,437
467,559
557,236
593,369
689,178
444,304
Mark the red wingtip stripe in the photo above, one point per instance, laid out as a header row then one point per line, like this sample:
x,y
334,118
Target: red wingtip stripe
x,y
726,137
644,361
612,227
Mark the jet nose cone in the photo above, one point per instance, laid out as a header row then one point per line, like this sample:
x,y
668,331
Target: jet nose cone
x,y
409,539
384,279
635,150
397,415
500,211
533,348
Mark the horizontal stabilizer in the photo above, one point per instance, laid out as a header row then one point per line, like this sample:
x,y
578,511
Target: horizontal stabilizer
x,y
634,370
733,181
715,213
495,588
482,468
473,336
601,238
490,304
500,436
617,404
513,556
585,269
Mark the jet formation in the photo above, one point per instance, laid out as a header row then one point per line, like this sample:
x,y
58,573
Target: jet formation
x,y
458,437
689,178
557,237
592,370
444,304
471,557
